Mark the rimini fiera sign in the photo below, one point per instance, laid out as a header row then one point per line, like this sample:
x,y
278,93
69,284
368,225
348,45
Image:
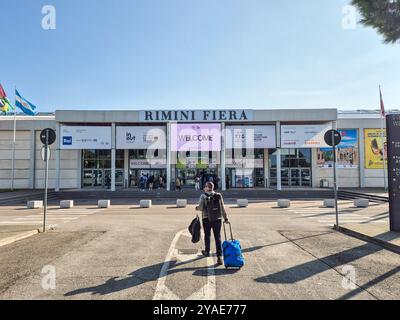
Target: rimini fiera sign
x,y
196,115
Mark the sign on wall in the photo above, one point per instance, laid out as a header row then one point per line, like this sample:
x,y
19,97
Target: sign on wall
x,y
141,138
393,130
80,137
304,136
374,148
245,163
259,137
195,115
148,163
195,137
347,151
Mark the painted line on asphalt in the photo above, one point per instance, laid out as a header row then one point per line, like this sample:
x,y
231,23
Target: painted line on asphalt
x,y
350,221
20,236
34,218
162,292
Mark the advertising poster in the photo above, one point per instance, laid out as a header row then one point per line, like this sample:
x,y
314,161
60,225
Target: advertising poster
x,y
255,137
195,137
374,148
79,137
141,138
347,154
303,136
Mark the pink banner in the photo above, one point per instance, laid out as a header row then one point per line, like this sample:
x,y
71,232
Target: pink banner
x,y
195,137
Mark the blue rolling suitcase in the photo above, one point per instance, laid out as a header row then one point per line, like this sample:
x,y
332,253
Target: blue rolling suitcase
x,y
232,251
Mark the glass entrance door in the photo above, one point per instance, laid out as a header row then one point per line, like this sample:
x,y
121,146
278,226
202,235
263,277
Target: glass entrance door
x,y
305,177
93,178
295,177
298,177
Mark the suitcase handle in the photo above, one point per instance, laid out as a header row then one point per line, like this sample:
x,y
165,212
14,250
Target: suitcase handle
x,y
230,228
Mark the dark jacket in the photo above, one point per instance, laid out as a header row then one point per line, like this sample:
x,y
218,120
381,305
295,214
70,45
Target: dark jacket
x,y
195,230
203,207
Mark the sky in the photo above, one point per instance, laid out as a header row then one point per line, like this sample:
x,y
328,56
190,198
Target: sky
x,y
184,54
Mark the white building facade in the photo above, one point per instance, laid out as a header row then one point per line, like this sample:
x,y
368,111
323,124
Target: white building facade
x,y
234,148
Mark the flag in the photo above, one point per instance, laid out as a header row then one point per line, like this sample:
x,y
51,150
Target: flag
x,y
26,107
5,104
383,113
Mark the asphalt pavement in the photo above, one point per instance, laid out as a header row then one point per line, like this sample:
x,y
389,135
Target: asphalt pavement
x,y
125,252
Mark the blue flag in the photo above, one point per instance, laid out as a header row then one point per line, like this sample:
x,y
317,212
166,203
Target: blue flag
x,y
26,107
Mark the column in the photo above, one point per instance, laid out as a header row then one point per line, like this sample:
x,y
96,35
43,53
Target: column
x,y
113,158
278,157
33,160
80,171
126,169
361,157
266,168
169,156
58,157
223,160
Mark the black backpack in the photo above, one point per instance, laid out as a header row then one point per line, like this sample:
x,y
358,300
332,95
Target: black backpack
x,y
213,207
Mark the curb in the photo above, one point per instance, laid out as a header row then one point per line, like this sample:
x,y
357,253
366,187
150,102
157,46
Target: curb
x,y
387,245
20,236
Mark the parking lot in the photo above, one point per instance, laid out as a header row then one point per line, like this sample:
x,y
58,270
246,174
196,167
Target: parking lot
x,y
125,252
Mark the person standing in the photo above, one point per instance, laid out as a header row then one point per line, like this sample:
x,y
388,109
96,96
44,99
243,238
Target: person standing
x,y
151,182
178,184
197,183
212,206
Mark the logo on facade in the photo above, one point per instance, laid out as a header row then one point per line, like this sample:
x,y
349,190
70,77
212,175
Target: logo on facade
x,y
67,141
197,115
130,137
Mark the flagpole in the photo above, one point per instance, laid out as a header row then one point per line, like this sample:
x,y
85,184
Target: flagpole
x,y
14,140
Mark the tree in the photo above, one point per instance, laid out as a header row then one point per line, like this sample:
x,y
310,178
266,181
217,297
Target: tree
x,y
383,15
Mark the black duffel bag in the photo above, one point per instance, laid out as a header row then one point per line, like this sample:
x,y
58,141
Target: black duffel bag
x,y
195,229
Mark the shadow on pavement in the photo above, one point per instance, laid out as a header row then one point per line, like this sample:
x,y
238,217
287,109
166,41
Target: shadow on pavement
x,y
370,284
139,277
320,265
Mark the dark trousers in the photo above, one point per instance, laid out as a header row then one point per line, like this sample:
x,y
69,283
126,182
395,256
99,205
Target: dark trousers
x,y
215,226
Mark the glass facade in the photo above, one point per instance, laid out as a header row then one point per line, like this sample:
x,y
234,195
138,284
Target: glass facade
x,y
96,168
142,163
296,167
202,164
242,173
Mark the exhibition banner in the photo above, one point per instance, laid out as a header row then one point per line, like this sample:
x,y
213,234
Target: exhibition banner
x,y
85,137
304,136
258,137
347,154
195,137
148,163
374,148
141,138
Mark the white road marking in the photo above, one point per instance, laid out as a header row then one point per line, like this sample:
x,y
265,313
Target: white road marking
x,y
162,292
53,217
327,216
35,218
350,221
